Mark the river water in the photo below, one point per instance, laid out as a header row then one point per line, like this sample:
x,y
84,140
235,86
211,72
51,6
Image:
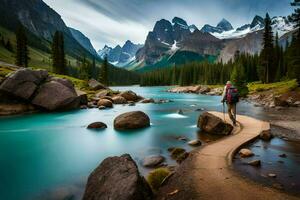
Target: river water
x,y
50,155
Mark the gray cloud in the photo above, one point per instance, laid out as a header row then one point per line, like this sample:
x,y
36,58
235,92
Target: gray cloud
x,y
112,22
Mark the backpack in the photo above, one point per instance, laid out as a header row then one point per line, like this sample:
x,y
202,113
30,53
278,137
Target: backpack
x,y
232,95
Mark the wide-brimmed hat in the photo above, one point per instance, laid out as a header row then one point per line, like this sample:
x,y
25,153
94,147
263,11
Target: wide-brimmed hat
x,y
228,83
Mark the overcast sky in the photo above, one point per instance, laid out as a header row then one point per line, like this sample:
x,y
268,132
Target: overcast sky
x,y
113,22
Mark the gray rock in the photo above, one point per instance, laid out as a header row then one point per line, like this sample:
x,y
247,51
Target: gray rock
x,y
117,178
95,85
212,124
63,81
132,120
83,98
23,83
54,95
255,163
153,161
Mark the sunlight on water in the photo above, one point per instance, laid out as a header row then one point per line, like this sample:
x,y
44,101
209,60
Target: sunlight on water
x,y
175,115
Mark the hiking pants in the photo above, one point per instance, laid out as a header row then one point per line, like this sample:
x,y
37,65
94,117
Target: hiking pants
x,y
232,112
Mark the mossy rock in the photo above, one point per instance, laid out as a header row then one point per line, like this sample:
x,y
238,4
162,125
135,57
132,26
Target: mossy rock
x,y
156,177
178,154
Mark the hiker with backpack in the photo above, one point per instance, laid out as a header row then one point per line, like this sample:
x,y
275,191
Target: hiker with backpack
x,y
231,97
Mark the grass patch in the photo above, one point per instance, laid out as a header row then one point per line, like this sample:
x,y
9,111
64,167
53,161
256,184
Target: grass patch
x,y
156,177
5,71
277,88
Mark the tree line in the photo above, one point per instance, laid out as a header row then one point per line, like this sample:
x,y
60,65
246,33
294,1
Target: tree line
x,y
274,63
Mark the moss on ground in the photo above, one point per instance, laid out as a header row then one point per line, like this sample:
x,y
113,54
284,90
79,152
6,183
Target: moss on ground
x,y
156,177
5,71
276,88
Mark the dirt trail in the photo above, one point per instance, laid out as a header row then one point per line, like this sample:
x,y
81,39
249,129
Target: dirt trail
x,y
208,173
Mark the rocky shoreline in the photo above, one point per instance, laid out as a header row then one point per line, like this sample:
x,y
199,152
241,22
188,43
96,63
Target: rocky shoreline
x,y
27,91
115,175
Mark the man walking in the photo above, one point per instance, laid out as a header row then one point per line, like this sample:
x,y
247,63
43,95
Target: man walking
x,y
231,97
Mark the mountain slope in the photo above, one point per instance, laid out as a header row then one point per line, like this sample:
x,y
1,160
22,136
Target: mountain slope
x,y
83,41
41,23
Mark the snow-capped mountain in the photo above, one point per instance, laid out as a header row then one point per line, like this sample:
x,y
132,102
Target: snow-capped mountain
x,y
222,26
176,41
104,52
281,25
120,56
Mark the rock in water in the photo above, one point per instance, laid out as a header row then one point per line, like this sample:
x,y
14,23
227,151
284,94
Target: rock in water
x,y
119,100
180,112
266,135
117,178
23,83
95,85
129,96
131,120
195,143
97,125
153,161
105,102
212,124
147,101
54,95
246,153
255,163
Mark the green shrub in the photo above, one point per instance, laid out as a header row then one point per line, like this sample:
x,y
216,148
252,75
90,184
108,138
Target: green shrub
x,y
156,177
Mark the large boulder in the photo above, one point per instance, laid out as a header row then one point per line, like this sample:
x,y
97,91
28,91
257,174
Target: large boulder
x,y
105,102
54,96
95,85
132,120
212,124
119,100
129,96
117,178
23,83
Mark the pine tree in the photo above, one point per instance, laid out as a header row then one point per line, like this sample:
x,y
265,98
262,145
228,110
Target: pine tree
x,y
8,46
22,57
104,72
294,49
58,53
266,60
295,17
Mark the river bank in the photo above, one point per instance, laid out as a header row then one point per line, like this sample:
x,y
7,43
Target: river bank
x,y
280,103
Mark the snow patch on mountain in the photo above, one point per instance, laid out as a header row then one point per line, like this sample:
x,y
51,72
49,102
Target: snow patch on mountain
x,y
281,25
174,46
104,52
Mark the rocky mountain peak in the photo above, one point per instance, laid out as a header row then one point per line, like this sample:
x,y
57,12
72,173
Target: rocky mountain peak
x,y
225,25
257,21
177,20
